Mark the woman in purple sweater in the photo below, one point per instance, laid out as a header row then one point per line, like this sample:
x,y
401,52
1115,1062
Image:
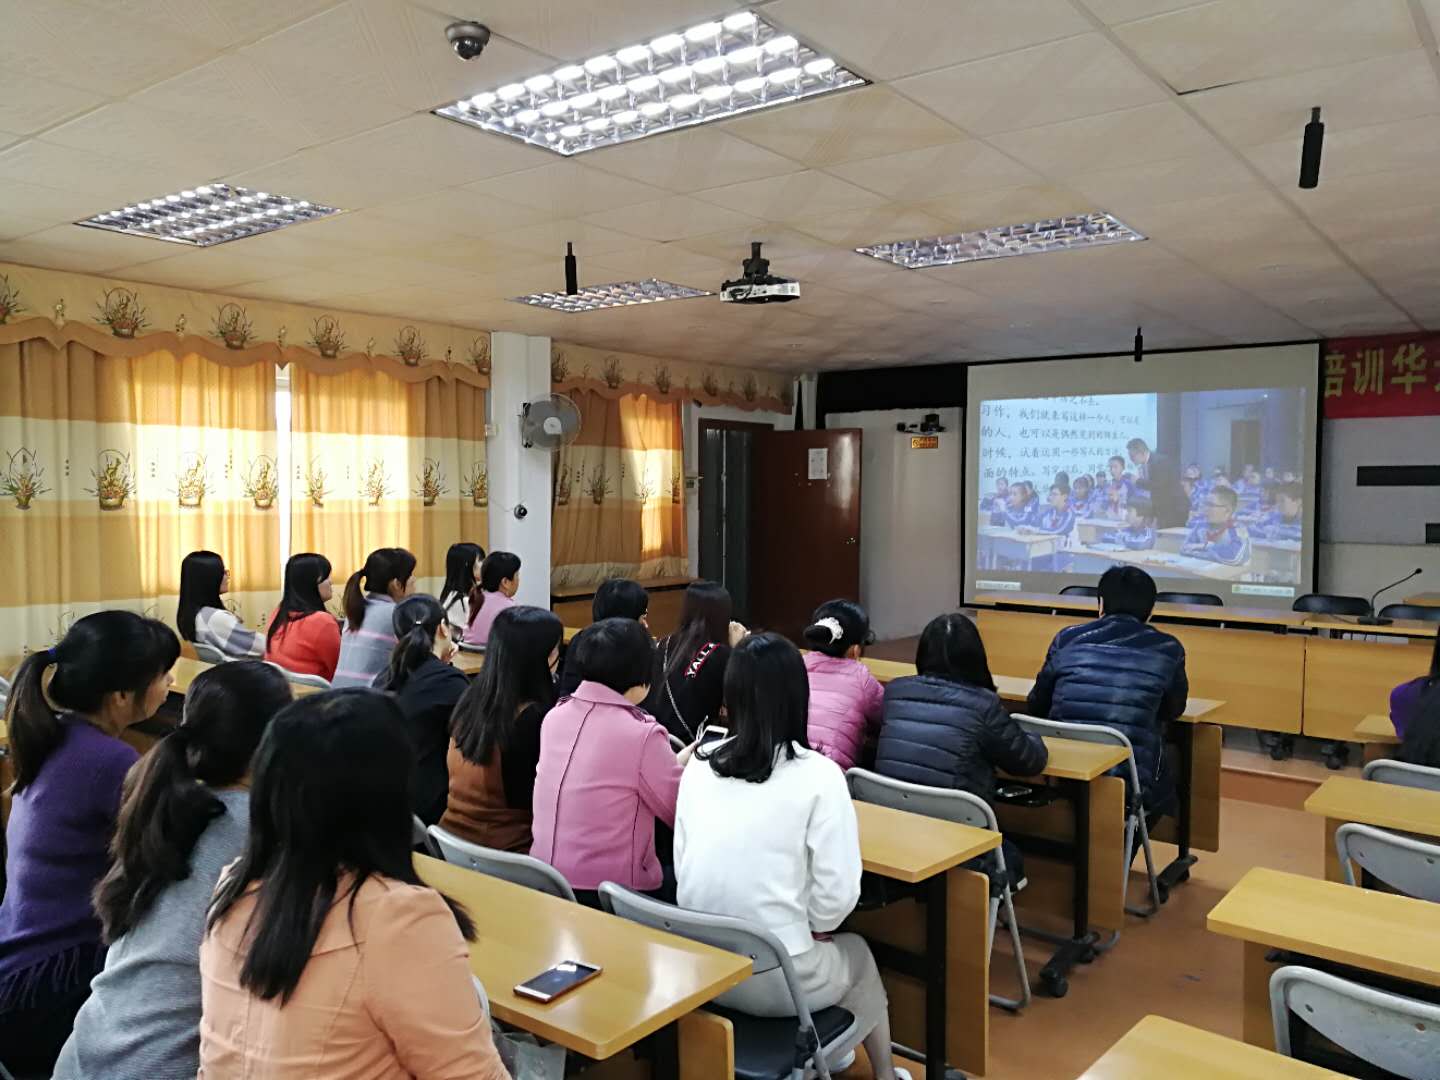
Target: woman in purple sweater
x,y
1405,698
111,671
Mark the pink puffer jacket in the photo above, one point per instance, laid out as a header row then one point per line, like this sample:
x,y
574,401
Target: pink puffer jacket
x,y
845,706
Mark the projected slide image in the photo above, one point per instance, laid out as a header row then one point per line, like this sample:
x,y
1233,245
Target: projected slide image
x,y
1203,484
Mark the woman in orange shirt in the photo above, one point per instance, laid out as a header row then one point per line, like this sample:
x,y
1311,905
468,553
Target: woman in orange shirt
x,y
303,637
325,956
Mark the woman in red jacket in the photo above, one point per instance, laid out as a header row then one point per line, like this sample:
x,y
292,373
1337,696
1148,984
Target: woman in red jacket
x,y
303,637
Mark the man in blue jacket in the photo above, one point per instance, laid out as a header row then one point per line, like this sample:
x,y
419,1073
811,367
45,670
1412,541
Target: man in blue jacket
x,y
1120,672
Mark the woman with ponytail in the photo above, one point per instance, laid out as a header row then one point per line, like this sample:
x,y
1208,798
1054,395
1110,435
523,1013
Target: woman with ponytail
x,y
371,594
111,671
427,689
846,701
184,819
492,594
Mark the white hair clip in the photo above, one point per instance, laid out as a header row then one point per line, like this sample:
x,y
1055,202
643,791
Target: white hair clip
x,y
833,625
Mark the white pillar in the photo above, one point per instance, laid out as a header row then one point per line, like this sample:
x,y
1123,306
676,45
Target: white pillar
x,y
520,372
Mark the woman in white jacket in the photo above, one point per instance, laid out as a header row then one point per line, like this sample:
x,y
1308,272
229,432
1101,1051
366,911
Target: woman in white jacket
x,y
765,831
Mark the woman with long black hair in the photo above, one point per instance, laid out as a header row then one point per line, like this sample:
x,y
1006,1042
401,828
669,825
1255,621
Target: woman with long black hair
x,y
202,616
184,819
325,956
427,688
462,572
303,637
111,671
492,594
388,577
495,731
685,693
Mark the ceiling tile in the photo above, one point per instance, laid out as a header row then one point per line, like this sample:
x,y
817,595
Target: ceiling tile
x,y
1129,137
1118,11
787,198
447,153
29,104
855,228
1234,40
222,23
845,126
926,34
109,182
550,237
13,226
929,173
673,218
687,161
1378,148
311,175
218,268
1080,76
987,209
1119,189
783,246
668,262
458,212
565,188
69,247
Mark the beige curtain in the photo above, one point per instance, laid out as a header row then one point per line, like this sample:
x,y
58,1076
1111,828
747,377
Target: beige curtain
x,y
113,468
378,462
619,494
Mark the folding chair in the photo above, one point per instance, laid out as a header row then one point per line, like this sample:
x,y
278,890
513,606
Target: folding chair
x,y
505,865
961,807
1404,863
300,679
1394,1033
420,837
766,1048
209,653
1389,771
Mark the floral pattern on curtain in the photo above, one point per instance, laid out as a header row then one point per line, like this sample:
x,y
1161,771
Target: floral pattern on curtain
x,y
377,462
619,502
113,468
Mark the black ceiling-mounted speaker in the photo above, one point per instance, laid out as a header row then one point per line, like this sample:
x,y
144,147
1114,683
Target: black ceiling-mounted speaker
x,y
572,276
1310,150
1139,345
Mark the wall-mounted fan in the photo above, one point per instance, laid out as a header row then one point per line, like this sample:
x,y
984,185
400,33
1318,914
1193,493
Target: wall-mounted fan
x,y
549,422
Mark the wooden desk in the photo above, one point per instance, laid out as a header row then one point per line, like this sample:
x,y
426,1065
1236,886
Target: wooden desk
x,y
1157,1047
1388,806
651,979
1424,599
667,594
935,956
468,663
186,669
1071,759
1377,734
1343,624
1086,605
1345,679
1374,931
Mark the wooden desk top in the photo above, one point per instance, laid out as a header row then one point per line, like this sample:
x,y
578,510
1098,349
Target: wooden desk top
x,y
1376,931
1071,759
1376,728
1160,1047
1424,599
468,662
1086,605
1014,688
1390,806
911,847
1348,625
650,978
186,669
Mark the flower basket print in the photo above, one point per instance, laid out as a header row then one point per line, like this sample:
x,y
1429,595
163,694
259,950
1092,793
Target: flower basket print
x,y
262,482
376,485
711,384
599,485
675,487
410,346
476,484
315,489
563,487
122,311
23,479
559,366
327,337
663,381
478,354
751,388
431,481
612,372
192,482
9,300
233,326
645,488
114,480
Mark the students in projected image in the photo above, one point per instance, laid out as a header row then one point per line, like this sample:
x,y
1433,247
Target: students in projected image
x,y
1057,518
1022,506
1117,489
995,501
1285,520
1082,496
1219,538
1196,491
1139,531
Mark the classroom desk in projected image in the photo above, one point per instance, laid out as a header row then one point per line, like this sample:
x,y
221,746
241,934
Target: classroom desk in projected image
x,y
1014,547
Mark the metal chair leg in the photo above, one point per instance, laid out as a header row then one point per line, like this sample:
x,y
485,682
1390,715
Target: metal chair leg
x,y
1151,876
1012,1004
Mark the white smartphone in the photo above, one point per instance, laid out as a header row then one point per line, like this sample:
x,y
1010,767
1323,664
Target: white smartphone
x,y
713,733
558,980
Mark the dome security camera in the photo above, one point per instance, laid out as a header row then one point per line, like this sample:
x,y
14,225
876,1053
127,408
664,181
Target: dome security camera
x,y
468,39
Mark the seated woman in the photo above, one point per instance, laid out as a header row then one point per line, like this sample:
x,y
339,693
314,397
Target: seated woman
x,y
303,637
616,598
845,699
202,616
427,688
495,731
184,819
462,571
765,831
492,594
1421,742
324,953
111,672
606,771
1405,698
945,726
369,636
686,686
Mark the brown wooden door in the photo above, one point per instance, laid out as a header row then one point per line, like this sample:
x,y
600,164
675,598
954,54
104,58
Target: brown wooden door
x,y
805,533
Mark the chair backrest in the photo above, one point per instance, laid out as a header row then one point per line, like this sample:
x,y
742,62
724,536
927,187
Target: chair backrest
x,y
208,653
1208,599
1423,612
468,646
945,803
1330,604
1408,865
300,679
720,931
1390,771
1094,733
420,837
506,865
1398,1034
1080,590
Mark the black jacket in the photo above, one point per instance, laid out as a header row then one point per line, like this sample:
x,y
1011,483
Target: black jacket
x,y
952,735
427,700
1168,502
1121,673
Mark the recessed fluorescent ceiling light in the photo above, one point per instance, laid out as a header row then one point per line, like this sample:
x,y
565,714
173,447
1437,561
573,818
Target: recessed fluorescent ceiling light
x,y
731,65
1027,238
210,214
616,294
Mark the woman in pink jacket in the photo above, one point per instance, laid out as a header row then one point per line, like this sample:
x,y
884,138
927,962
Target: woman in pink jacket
x,y
845,699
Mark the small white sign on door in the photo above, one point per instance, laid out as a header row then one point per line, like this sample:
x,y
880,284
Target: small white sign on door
x,y
819,463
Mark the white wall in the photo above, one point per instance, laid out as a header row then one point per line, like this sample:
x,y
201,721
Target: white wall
x,y
1360,569
520,372
909,519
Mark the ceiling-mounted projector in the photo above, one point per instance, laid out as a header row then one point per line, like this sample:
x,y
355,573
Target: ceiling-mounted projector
x,y
758,285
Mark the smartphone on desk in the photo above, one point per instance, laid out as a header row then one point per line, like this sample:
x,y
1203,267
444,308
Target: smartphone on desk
x,y
558,980
713,733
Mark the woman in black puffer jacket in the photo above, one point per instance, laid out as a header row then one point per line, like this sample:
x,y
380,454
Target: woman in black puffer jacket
x,y
945,727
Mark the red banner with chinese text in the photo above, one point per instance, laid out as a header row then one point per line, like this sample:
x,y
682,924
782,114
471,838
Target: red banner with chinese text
x,y
1398,375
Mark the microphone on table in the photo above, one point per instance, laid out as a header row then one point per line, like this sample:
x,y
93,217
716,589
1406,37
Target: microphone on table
x,y
1374,620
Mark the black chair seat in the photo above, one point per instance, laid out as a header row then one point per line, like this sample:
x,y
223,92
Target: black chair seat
x,y
765,1046
1208,599
1424,613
